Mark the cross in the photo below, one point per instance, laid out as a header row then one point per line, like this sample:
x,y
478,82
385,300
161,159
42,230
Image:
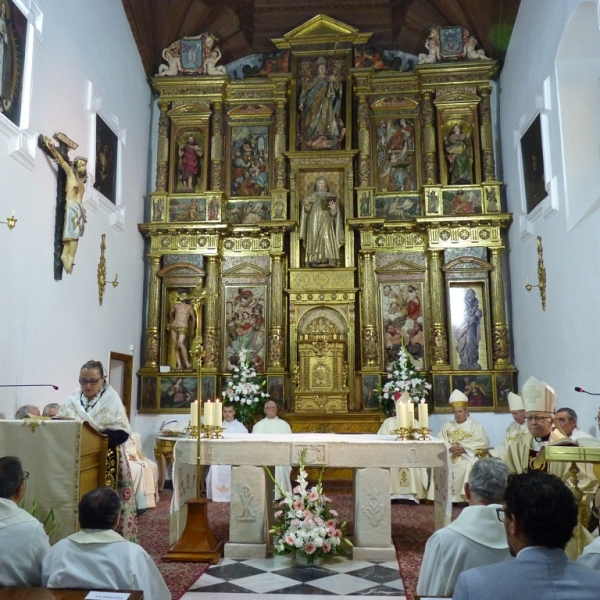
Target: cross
x,y
534,392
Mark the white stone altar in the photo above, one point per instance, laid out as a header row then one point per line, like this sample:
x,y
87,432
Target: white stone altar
x,y
371,457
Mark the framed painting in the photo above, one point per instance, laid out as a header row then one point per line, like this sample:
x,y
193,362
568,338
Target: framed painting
x,y
214,208
107,150
469,325
395,142
279,205
187,209
369,391
364,202
532,157
245,321
159,204
397,208
505,383
249,168
477,388
188,157
177,393
275,387
209,387
148,396
441,392
248,212
403,322
462,201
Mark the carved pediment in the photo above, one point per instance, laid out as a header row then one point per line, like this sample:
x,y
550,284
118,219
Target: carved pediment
x,y
187,108
467,263
405,104
181,270
246,269
401,266
254,110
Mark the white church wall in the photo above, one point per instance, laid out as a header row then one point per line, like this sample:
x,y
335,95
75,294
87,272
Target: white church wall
x,y
50,328
560,345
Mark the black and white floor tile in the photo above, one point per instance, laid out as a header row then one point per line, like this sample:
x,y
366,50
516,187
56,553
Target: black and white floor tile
x,y
280,577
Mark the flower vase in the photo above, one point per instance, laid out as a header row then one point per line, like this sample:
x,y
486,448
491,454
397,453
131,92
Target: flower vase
x,y
302,560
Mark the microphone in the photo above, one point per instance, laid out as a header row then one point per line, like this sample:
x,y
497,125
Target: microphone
x,y
31,385
578,389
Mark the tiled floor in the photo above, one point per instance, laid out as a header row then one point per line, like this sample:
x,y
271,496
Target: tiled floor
x,y
279,578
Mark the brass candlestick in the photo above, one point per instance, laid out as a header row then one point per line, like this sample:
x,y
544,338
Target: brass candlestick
x,y
423,434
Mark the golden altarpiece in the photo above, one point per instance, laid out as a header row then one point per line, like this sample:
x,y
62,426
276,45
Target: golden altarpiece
x,y
333,212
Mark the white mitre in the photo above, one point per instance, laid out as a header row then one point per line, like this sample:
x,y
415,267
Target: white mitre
x,y
405,398
458,399
538,396
515,402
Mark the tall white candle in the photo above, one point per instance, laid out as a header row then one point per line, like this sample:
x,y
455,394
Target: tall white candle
x,y
217,412
410,415
401,411
194,413
423,416
208,413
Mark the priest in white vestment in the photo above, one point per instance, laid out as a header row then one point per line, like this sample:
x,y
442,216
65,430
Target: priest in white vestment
x,y
475,539
218,482
516,429
273,424
97,557
463,436
567,418
591,555
405,484
23,540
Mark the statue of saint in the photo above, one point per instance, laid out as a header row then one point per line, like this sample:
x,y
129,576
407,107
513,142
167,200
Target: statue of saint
x,y
321,226
320,104
181,314
459,153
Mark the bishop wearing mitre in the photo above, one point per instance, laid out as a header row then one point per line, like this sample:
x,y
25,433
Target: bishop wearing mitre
x,y
516,429
463,436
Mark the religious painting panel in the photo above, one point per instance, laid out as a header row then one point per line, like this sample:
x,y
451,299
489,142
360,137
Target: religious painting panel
x,y
186,209
249,169
403,321
370,391
214,207
321,211
469,320
148,396
441,392
433,203
209,387
107,149
395,145
459,150
505,383
462,201
477,388
279,205
451,40
398,208
364,202
177,393
275,388
189,149
248,212
13,40
159,204
245,319
321,100
532,157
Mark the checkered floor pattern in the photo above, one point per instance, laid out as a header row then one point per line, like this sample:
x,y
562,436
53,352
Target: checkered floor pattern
x,y
280,577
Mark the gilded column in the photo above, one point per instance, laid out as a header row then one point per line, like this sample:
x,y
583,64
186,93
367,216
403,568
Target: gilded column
x,y
152,337
216,149
370,350
212,317
430,162
438,333
277,332
162,155
487,142
280,145
364,164
500,349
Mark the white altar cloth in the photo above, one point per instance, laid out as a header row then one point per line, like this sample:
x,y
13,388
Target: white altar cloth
x,y
365,453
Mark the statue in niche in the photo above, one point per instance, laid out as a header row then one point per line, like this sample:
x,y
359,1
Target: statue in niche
x,y
320,103
459,153
189,166
468,334
321,226
181,315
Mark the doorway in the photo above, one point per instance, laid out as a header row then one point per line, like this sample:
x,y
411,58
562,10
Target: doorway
x,y
120,377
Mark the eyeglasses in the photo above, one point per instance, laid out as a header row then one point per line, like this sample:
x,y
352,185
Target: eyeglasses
x,y
537,418
25,476
500,514
90,381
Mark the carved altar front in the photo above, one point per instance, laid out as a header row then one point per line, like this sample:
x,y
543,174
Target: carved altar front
x,y
334,210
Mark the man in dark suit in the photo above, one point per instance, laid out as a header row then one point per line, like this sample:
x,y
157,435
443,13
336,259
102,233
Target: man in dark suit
x,y
539,516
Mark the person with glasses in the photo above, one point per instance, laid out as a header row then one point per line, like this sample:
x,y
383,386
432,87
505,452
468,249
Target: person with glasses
x,y
516,429
539,514
567,418
474,539
23,540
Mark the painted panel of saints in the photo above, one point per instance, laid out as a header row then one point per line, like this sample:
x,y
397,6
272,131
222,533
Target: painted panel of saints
x,y
250,160
396,167
403,323
245,325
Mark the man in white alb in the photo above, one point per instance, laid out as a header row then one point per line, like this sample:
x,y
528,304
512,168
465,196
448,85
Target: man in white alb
x,y
463,437
567,419
476,538
516,429
218,482
273,424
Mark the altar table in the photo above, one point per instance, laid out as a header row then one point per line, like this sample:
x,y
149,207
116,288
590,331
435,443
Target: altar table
x,y
371,456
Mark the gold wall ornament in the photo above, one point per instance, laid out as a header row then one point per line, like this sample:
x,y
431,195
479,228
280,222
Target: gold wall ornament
x,y
10,221
541,284
102,272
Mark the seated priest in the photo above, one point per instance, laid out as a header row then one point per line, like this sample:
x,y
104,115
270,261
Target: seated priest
x,y
272,424
23,540
51,410
516,429
405,484
218,482
97,402
24,412
567,419
476,538
144,473
463,436
97,557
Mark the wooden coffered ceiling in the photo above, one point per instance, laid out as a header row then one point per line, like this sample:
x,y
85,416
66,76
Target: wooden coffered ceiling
x,y
247,26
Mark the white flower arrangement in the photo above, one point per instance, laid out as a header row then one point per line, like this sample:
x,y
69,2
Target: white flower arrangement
x,y
306,525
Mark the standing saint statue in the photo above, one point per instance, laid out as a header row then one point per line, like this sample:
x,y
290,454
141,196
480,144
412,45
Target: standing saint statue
x,y
189,166
321,226
181,315
468,334
459,153
76,173
320,103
